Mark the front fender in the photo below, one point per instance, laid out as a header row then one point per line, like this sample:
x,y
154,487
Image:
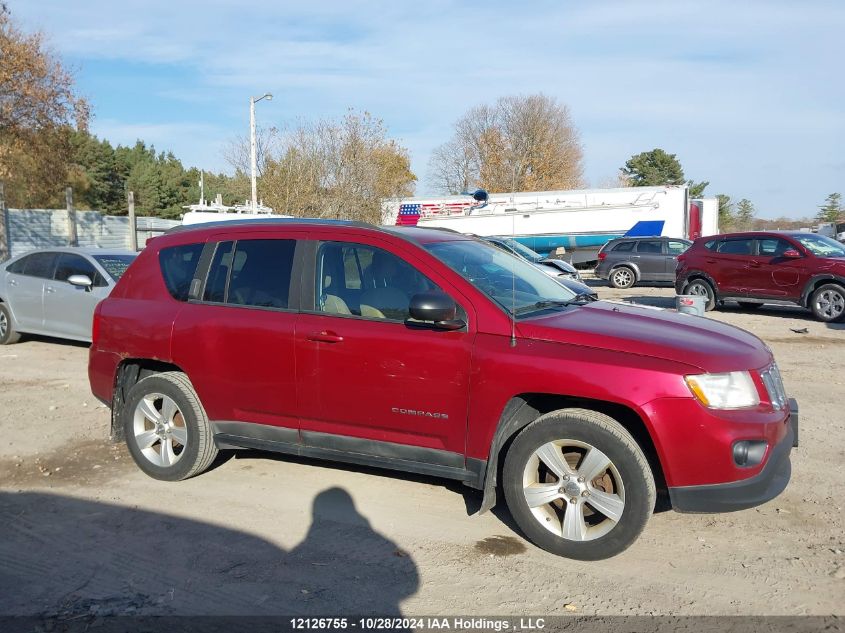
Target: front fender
x,y
814,281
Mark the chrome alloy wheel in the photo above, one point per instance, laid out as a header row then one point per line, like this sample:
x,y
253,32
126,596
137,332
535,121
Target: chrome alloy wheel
x,y
623,277
160,431
4,325
698,289
573,490
830,303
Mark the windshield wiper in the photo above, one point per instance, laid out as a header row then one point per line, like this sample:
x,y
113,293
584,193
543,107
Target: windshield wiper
x,y
583,298
543,304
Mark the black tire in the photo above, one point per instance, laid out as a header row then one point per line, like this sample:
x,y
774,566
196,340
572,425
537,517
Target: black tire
x,y
749,305
622,277
598,431
702,287
828,303
7,330
198,451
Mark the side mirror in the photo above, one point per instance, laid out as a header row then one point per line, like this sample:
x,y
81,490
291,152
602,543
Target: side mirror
x,y
83,281
791,254
436,307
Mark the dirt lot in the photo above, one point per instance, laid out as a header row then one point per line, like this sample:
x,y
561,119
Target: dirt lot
x,y
83,531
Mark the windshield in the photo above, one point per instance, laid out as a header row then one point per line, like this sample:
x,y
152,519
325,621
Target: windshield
x,y
821,245
519,287
115,265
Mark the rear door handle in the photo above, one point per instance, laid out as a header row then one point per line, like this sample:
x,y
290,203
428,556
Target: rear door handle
x,y
12,282
326,336
50,289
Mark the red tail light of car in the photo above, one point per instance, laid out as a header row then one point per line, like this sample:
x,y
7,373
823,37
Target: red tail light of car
x,y
602,256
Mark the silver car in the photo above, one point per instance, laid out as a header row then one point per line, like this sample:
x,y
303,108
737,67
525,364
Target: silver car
x,y
54,291
629,260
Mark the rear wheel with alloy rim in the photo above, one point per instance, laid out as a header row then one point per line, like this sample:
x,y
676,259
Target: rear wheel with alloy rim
x,y
167,430
828,303
7,332
578,485
622,277
702,288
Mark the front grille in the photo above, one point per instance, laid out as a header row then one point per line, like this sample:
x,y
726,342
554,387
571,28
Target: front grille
x,y
774,386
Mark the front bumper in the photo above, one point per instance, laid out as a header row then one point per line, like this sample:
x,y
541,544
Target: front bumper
x,y
739,495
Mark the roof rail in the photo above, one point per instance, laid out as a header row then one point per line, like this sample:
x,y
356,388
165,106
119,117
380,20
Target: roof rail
x,y
269,221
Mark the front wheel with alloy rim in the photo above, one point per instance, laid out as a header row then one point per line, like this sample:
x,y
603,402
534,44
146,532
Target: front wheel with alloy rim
x,y
622,277
7,332
702,288
167,430
578,485
828,303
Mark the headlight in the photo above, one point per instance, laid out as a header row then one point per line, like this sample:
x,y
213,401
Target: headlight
x,y
734,390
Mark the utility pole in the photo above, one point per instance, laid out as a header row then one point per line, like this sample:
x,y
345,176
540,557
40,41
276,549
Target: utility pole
x,y
5,246
72,239
133,223
252,149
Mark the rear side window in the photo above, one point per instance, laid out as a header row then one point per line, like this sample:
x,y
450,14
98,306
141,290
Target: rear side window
x,y
40,265
178,266
624,247
736,247
18,266
711,245
653,247
251,273
69,265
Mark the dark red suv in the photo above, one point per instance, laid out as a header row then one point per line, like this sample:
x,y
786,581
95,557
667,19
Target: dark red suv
x,y
428,351
790,268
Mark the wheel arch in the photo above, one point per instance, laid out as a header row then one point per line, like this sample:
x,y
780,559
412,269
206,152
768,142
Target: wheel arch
x,y
524,408
815,282
634,268
127,374
700,274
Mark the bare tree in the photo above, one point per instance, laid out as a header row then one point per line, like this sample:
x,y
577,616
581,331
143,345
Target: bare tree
x,y
337,169
237,150
522,142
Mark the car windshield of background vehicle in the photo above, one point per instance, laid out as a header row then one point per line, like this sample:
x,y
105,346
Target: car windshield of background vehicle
x,y
821,246
519,287
115,265
527,253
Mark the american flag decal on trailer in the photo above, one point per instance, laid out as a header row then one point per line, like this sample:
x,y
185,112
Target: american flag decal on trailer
x,y
409,215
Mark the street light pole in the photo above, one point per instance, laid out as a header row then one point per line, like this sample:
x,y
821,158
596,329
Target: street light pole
x,y
252,159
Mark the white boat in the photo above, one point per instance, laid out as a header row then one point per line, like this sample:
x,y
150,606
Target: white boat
x,y
578,220
217,211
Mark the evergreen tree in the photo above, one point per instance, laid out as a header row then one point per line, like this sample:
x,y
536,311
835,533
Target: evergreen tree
x,y
831,209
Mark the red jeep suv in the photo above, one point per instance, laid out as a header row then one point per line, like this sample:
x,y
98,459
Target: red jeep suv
x,y
428,351
788,268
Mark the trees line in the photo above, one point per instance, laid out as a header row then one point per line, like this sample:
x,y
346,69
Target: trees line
x,y
341,168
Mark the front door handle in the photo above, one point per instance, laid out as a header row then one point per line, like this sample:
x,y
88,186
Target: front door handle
x,y
754,265
12,282
326,336
50,289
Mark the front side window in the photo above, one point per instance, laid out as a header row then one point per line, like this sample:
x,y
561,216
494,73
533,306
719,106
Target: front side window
x,y
254,273
676,248
518,287
178,266
773,247
69,265
361,280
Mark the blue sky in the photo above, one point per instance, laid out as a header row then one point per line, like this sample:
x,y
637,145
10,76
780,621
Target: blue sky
x,y
749,94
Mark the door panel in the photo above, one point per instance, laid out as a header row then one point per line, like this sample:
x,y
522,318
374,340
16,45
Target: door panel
x,y
649,258
69,309
362,371
774,275
27,297
733,261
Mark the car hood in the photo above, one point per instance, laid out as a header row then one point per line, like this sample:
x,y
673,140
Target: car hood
x,y
699,342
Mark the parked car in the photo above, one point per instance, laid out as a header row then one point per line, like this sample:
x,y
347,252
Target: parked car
x,y
54,291
628,260
432,352
554,267
786,268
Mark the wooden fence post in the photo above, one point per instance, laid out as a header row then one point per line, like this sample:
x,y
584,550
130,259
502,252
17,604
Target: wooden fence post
x,y
133,223
5,238
72,239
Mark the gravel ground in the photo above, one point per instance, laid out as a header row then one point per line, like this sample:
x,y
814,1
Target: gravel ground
x,y
83,531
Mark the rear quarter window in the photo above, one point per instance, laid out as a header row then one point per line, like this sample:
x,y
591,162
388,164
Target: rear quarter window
x,y
178,266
